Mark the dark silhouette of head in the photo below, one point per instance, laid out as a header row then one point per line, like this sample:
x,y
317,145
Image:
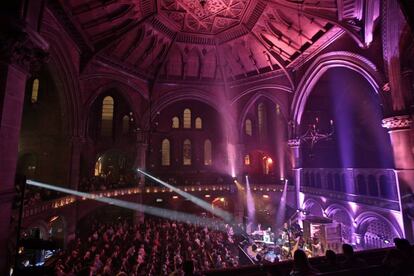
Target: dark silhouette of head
x,y
300,260
348,250
330,256
188,267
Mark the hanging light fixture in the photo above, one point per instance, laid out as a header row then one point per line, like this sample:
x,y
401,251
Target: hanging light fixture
x,y
203,2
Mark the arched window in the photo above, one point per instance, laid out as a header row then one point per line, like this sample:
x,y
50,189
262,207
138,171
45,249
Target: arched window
x,y
248,127
361,185
187,152
330,182
208,160
247,159
187,118
198,123
165,152
261,118
175,122
387,188
372,186
107,116
125,124
35,90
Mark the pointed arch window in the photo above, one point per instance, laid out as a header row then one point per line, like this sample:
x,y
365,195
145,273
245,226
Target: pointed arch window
x,y
261,118
208,160
247,160
187,152
165,153
175,122
125,124
198,123
35,90
248,127
107,116
187,118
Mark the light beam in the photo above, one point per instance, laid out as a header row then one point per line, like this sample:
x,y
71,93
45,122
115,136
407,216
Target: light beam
x,y
203,204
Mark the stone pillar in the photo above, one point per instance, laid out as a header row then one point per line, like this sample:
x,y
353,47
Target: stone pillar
x,y
20,52
75,159
140,163
296,162
402,142
238,167
295,156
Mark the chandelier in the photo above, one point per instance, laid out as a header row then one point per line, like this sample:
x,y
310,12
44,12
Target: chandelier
x,y
313,135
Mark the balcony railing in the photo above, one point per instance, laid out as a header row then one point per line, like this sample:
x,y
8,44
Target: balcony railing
x,y
68,200
369,186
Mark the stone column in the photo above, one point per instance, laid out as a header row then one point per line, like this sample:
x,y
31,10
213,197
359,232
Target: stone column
x,y
238,167
20,53
402,142
140,163
296,161
75,158
12,88
295,156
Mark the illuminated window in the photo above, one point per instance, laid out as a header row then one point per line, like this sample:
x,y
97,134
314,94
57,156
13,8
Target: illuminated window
x,y
175,122
248,127
198,123
98,166
187,152
165,152
207,153
107,116
35,90
247,159
277,109
261,118
187,118
125,124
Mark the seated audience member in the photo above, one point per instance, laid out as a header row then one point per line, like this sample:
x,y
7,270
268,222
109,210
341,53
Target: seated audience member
x,y
330,262
351,261
399,261
301,266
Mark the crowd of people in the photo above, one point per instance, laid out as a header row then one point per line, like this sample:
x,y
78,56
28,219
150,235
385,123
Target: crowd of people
x,y
153,247
107,182
398,261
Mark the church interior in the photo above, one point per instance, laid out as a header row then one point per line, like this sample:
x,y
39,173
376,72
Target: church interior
x,y
206,137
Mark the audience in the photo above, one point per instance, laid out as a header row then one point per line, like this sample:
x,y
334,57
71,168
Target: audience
x,y
155,247
301,266
351,261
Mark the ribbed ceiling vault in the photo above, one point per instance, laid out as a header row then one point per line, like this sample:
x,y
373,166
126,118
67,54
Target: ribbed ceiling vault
x,y
231,39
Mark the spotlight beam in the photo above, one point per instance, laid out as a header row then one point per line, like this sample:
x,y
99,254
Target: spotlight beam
x,y
155,211
251,210
203,204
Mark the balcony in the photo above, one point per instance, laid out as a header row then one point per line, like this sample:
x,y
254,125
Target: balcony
x,y
378,187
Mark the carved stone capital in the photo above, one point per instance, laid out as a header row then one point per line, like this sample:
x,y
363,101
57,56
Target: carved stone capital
x,y
397,122
24,49
294,143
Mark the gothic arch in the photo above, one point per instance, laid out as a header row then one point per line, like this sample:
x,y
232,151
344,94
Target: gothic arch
x,y
260,94
334,208
324,62
186,94
310,204
120,91
365,218
64,75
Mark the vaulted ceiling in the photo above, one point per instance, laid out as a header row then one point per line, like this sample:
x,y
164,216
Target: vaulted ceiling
x,y
224,39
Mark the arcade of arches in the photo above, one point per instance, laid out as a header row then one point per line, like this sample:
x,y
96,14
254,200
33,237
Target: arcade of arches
x,y
311,100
